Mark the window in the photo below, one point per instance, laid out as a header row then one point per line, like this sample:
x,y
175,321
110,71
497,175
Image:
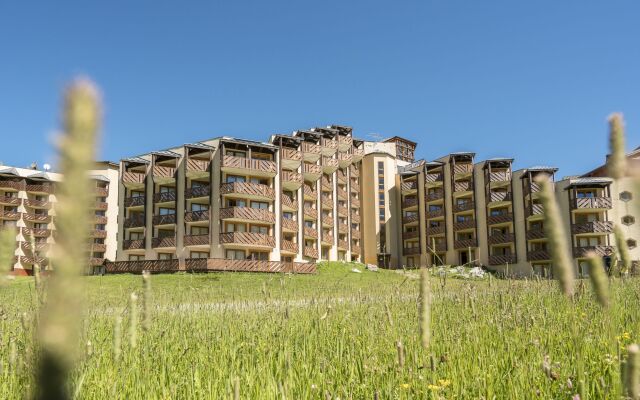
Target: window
x,y
199,230
235,153
137,193
631,243
136,257
261,181
259,205
235,178
236,203
259,255
167,189
626,196
199,254
199,207
236,228
260,229
287,215
165,256
136,235
235,254
167,211
628,220
198,184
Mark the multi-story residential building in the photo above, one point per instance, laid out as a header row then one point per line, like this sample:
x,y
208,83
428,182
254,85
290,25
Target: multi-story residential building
x,y
27,204
294,199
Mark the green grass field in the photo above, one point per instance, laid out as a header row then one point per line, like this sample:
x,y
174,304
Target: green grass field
x,y
332,335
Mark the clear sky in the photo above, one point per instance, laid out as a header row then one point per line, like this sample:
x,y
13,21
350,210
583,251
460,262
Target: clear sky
x,y
533,80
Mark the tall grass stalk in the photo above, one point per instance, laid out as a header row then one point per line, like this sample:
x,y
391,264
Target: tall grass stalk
x,y
599,279
425,308
61,314
617,160
632,372
7,250
623,250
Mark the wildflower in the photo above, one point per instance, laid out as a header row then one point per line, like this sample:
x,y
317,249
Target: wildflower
x,y
433,388
405,385
444,382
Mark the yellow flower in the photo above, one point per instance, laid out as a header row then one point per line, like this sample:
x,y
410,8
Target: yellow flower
x,y
433,387
626,335
444,382
404,385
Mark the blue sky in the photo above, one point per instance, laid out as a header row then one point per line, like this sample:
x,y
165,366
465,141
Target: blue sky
x,y
533,80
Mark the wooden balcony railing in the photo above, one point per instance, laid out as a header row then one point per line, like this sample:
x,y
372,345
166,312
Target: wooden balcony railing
x,y
135,201
160,171
196,216
342,194
310,252
433,196
329,143
327,238
310,212
462,187
98,247
355,218
435,230
166,219
38,246
355,187
345,159
342,211
289,224
197,191
466,224
355,234
345,141
28,260
410,251
538,255
355,172
100,205
410,235
247,214
355,202
14,185
592,202
355,249
248,239
465,243
36,217
196,240
101,191
288,245
500,196
464,206
329,164
292,177
11,215
343,228
195,165
135,244
100,219
499,219
501,238
291,154
167,241
327,220
312,148
248,163
164,197
28,232
408,219
327,184
327,201
409,186
430,214
534,234
288,202
592,227
310,232
341,175
601,250
501,259
133,177
439,246
134,221
502,176
535,209
98,234
47,188
357,153
249,189
431,178
312,169
409,202
310,193
460,169
10,201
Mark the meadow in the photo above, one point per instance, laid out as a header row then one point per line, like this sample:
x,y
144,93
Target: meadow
x,y
337,334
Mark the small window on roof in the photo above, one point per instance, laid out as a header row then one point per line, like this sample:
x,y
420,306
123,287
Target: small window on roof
x,y
628,220
626,196
631,243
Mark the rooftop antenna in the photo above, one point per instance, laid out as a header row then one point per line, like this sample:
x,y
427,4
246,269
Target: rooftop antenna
x,y
34,165
47,167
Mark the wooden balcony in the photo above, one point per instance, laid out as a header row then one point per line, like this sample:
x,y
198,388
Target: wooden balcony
x,y
40,218
410,202
242,166
291,180
250,190
197,168
355,187
288,246
355,171
355,249
501,259
100,205
343,244
462,187
604,227
288,203
38,246
536,234
329,165
166,219
410,186
164,197
163,242
310,252
342,211
592,203
434,196
38,233
290,158
538,255
247,215
135,201
431,214
134,221
439,246
327,221
501,238
344,143
434,178
311,151
355,234
12,185
96,261
601,250
435,230
343,228
10,201
410,219
248,239
310,212
310,193
344,159
133,179
499,197
100,219
98,234
327,202
327,238
310,232
137,244
196,240
98,247
411,251
311,172
358,154
289,225
499,219
329,146
10,215
355,202
28,260
163,174
355,218
464,206
410,235
532,188
327,184
197,192
341,175
462,225
501,176
196,216
40,188
465,243
101,191
535,210
462,169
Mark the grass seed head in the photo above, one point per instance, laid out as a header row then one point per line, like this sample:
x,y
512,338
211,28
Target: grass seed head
x,y
598,278
617,160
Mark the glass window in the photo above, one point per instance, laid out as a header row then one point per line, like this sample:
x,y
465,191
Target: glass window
x,y
199,254
235,254
199,207
235,178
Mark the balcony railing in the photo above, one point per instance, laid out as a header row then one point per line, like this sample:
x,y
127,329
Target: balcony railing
x,y
409,202
265,166
288,245
592,202
27,260
538,255
462,187
430,214
288,202
345,141
600,250
248,189
135,221
342,176
329,144
291,177
15,185
133,244
408,219
312,169
433,196
409,186
310,252
47,188
500,196
196,216
196,240
410,251
592,227
355,249
197,191
329,164
247,214
310,212
195,165
310,193
327,220
327,238
11,201
431,178
343,244
342,211
160,171
534,234
435,230
167,241
342,194
327,202
439,246
164,197
410,235
355,171
133,177
135,201
463,206
355,186
327,184
355,202
98,233
37,203
344,159
502,176
101,191
291,154
355,234
501,259
310,232
11,215
501,238
343,228
166,219
289,224
28,232
499,218
357,153
311,148
465,243
535,209
460,169
36,217
355,218
248,239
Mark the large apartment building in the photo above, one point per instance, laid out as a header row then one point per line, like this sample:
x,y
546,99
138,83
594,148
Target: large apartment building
x,y
27,204
293,199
